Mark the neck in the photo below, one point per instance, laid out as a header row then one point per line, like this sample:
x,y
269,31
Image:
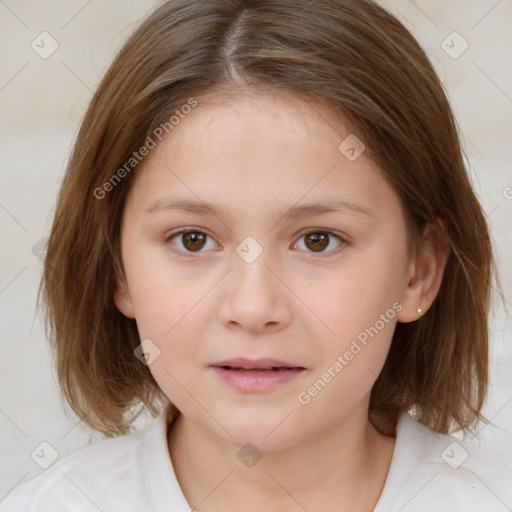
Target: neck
x,y
346,465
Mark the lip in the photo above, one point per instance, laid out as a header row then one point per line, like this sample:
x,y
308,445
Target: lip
x,y
256,375
265,363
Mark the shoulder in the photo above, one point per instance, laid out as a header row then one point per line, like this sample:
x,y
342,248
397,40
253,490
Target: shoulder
x,y
85,480
432,471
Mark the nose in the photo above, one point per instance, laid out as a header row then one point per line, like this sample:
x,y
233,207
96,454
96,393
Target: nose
x,y
254,296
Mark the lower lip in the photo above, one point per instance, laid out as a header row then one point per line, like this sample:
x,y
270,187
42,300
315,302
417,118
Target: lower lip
x,y
257,381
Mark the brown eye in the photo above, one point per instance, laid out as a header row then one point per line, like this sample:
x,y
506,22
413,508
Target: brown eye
x,y
195,240
318,241
191,240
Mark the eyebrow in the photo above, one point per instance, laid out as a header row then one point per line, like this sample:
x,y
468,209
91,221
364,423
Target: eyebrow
x,y
297,211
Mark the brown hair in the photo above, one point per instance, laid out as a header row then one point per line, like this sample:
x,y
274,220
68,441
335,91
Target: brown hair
x,y
349,54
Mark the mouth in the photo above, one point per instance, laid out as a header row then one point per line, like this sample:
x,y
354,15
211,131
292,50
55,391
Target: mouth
x,y
273,369
257,365
256,375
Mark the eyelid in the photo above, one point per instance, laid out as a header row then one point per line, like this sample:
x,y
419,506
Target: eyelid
x,y
340,235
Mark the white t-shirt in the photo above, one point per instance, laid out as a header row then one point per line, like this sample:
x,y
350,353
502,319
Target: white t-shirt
x,y
429,472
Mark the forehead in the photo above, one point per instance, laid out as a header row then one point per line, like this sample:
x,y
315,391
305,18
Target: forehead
x,y
256,150
257,113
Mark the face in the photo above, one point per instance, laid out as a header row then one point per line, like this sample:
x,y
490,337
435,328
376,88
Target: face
x,y
258,276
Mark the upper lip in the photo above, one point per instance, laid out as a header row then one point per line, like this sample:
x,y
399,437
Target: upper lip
x,y
242,362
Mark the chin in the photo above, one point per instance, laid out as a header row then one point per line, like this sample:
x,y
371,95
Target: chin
x,y
265,431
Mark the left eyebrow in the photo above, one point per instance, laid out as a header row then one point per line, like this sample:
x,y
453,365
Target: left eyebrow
x,y
294,212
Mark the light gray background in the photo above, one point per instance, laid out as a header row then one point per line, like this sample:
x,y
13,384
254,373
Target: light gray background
x,y
42,102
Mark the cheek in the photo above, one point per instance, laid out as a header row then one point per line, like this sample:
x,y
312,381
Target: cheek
x,y
168,312
173,319
361,312
165,296
361,291
359,308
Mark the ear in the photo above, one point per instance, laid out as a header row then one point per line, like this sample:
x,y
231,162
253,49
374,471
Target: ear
x,y
425,273
122,297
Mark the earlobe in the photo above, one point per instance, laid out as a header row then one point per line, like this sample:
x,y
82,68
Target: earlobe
x,y
122,298
425,274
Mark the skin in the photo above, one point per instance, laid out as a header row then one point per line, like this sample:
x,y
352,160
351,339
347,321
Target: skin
x,y
254,154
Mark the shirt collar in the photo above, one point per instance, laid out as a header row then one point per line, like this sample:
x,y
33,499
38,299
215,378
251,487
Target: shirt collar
x,y
158,475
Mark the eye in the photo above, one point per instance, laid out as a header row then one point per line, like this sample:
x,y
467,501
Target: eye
x,y
191,239
318,240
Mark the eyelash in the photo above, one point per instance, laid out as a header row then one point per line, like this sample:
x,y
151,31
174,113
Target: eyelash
x,y
342,240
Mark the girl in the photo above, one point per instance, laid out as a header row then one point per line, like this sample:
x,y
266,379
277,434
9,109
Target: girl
x,y
267,237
